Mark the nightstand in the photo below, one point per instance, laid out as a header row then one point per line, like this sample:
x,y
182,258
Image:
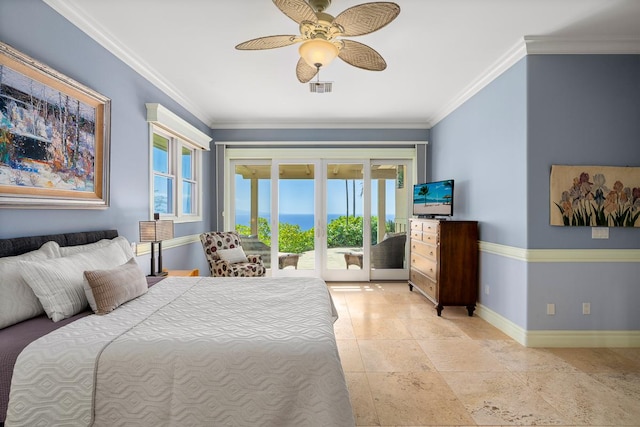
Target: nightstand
x,y
194,272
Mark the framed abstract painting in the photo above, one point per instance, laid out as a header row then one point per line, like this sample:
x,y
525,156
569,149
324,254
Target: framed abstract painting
x,y
54,138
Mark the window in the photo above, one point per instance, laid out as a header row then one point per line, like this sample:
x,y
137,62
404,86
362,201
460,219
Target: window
x,y
176,166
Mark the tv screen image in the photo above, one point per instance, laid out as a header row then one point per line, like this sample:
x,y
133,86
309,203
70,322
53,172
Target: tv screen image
x,y
433,198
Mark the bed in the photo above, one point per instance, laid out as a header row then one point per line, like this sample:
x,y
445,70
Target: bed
x,y
186,351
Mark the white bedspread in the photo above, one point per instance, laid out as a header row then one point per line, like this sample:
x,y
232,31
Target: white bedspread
x,y
191,351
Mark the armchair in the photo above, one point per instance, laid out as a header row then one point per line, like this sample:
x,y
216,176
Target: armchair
x,y
390,252
216,243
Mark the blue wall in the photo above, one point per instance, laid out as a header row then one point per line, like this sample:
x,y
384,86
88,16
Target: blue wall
x,y
37,30
482,145
583,110
546,109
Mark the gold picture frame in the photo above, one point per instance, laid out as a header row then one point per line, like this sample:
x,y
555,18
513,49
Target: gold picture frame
x,y
54,138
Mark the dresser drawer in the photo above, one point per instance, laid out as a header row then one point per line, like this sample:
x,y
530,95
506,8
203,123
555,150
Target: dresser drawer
x,y
425,284
430,227
424,249
430,238
425,265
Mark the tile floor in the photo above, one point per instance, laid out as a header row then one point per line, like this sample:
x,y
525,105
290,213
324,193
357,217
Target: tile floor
x,y
407,367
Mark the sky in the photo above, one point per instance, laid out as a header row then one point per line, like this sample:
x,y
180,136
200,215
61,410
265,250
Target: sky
x,y
296,196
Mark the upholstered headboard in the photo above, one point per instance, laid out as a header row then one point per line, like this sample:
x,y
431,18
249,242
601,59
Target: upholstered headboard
x,y
21,245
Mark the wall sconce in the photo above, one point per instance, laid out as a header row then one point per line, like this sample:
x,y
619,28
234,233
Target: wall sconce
x,y
155,232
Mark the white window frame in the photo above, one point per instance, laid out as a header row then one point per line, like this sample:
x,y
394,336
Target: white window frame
x,y
180,135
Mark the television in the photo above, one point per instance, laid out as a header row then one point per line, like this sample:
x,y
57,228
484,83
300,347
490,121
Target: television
x,y
432,199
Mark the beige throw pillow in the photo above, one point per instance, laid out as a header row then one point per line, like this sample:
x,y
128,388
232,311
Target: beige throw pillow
x,y
112,288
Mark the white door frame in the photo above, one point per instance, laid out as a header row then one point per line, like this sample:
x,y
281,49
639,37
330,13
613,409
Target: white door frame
x,y
278,155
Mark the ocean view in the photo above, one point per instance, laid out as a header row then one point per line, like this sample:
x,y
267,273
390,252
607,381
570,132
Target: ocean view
x,y
305,221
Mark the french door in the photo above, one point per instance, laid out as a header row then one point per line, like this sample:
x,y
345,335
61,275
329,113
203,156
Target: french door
x,y
322,217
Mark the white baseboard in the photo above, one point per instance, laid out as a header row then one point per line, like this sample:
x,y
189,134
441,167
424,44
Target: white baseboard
x,y
559,338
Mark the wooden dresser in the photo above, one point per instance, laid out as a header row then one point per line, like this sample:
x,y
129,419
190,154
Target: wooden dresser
x,y
444,262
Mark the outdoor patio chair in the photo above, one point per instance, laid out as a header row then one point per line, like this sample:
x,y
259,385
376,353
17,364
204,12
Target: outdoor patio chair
x,y
390,252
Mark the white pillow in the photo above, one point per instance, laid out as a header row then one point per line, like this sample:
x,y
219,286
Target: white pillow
x,y
59,283
17,300
233,255
121,241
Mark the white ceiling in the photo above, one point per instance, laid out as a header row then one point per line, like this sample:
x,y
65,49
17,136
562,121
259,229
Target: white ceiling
x,y
438,53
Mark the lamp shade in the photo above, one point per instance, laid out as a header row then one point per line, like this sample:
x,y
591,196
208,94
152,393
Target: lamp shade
x,y
318,51
156,231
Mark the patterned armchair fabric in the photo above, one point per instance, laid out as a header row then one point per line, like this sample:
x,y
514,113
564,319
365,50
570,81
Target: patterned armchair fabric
x,y
216,240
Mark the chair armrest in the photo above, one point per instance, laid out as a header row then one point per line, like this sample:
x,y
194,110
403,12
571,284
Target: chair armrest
x,y
256,259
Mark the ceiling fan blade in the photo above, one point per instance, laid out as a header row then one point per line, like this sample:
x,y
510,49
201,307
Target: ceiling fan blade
x,y
269,42
366,18
361,56
298,10
304,71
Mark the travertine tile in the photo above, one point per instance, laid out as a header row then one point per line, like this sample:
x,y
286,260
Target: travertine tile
x,y
364,409
407,366
436,328
366,328
350,355
460,355
583,400
627,383
501,398
415,398
393,356
597,360
518,358
478,329
343,328
629,353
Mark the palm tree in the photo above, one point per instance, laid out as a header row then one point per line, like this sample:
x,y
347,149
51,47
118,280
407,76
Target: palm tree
x,y
424,190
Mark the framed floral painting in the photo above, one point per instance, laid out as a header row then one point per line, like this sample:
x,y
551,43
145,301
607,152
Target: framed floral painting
x,y
595,196
54,138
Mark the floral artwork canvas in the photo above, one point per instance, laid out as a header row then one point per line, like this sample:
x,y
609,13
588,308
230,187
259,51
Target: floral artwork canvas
x,y
595,196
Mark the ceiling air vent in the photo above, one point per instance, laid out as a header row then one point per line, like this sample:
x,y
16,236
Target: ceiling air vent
x,y
320,87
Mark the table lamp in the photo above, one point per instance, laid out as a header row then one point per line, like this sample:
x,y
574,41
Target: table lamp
x,y
155,232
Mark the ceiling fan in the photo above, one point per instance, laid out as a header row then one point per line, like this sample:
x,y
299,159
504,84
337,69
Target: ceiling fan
x,y
320,34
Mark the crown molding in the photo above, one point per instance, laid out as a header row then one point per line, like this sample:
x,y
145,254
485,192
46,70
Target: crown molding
x,y
117,48
293,124
539,45
550,45
502,64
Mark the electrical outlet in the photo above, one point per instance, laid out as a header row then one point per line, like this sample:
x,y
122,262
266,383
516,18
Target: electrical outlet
x,y
586,308
551,309
486,289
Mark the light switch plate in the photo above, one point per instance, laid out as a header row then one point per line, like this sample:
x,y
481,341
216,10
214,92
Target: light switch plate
x,y
599,232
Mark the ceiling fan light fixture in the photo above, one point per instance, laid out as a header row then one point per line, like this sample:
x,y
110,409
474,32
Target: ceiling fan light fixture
x,y
318,51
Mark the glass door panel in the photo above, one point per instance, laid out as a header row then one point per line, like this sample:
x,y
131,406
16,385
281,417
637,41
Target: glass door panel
x,y
252,208
389,220
344,214
296,209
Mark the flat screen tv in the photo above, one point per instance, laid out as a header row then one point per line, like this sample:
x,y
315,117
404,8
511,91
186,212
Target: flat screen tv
x,y
432,199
